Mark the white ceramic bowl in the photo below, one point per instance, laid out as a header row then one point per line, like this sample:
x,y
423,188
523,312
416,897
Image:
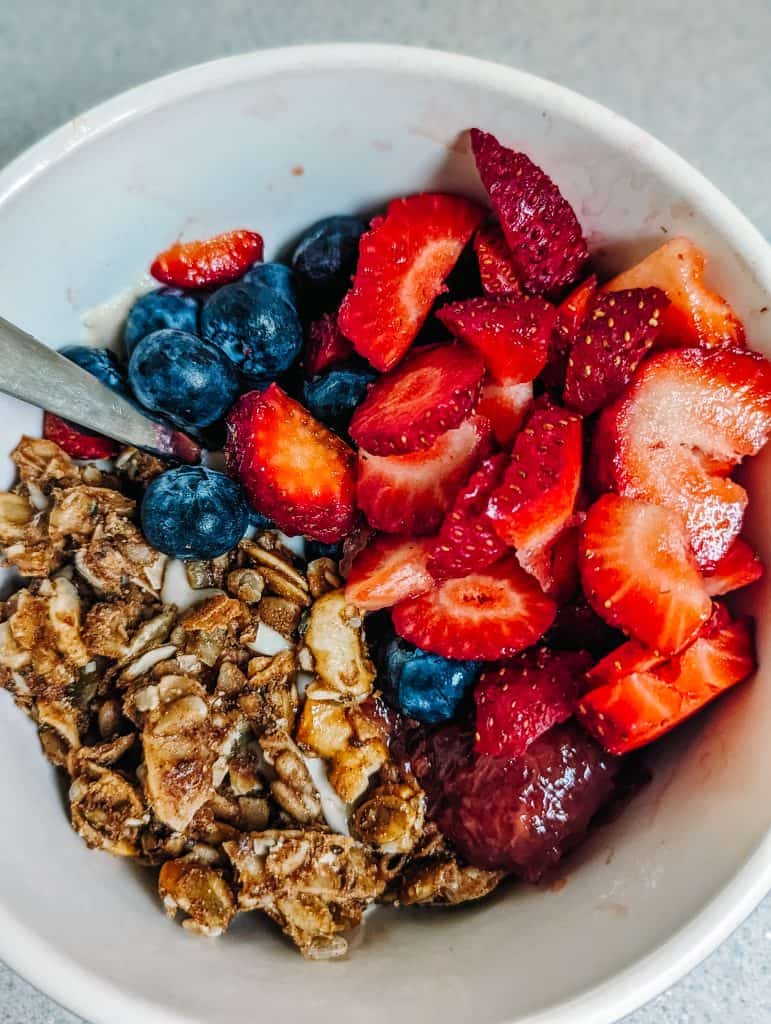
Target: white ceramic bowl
x,y
221,146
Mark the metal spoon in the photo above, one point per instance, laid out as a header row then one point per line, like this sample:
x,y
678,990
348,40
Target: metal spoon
x,y
31,371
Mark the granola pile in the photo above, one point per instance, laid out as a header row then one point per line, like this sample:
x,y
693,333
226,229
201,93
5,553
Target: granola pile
x,y
186,748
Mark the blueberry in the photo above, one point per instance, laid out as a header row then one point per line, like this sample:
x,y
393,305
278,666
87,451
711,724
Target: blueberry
x,y
258,520
257,329
427,686
316,549
333,396
194,513
183,377
276,276
99,362
325,257
166,307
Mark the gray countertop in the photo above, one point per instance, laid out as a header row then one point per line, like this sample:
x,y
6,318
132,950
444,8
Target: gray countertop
x,y
696,73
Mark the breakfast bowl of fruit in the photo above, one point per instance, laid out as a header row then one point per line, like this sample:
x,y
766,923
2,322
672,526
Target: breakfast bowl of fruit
x,y
439,686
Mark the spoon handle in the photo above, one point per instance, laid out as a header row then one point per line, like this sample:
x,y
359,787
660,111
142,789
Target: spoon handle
x,y
31,371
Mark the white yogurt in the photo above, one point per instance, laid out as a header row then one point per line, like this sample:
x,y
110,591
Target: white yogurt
x,y
103,325
269,641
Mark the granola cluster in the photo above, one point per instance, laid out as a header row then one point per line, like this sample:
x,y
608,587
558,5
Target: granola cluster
x,y
237,743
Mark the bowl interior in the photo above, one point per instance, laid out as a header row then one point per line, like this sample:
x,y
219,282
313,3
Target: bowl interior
x,y
273,142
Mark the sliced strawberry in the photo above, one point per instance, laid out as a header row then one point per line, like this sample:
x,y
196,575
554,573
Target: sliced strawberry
x,y
630,658
485,616
688,416
326,346
519,702
547,246
535,500
511,333
413,493
432,391
697,315
294,471
496,269
643,705
506,407
403,261
466,541
571,314
209,261
738,567
557,566
388,570
618,332
77,442
638,572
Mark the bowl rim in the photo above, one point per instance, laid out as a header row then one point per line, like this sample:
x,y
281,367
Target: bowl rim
x,y
83,992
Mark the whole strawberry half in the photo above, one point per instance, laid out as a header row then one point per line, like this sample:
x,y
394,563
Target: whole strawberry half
x,y
517,703
207,262
412,493
739,567
294,471
487,615
433,390
547,245
496,267
686,419
326,346
466,542
403,261
512,333
389,570
619,330
506,406
78,443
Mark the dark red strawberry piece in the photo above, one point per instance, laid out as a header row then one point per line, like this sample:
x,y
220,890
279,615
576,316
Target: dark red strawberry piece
x,y
209,261
432,391
513,814
506,406
547,246
571,314
388,570
496,269
77,442
326,346
403,261
466,541
294,471
617,333
577,627
486,616
512,334
738,567
517,703
412,493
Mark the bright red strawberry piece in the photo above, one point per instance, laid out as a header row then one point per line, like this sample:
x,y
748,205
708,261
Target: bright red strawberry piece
x,y
388,570
620,329
640,707
547,246
536,498
627,659
512,334
486,616
738,567
413,493
209,261
688,416
294,471
519,702
403,261
432,391
77,442
326,346
556,567
466,541
496,269
696,315
638,572
506,407
571,314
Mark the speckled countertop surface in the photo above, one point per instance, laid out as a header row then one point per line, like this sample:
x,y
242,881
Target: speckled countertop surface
x,y
696,73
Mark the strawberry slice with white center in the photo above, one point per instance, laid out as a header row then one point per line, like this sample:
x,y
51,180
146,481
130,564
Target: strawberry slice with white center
x,y
412,493
432,391
389,570
686,419
697,315
638,572
484,616
403,261
506,406
739,567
